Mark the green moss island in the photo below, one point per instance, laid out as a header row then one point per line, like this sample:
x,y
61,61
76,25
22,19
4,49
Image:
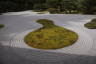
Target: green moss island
x,y
50,36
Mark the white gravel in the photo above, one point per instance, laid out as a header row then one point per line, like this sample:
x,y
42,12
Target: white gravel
x,y
18,26
30,12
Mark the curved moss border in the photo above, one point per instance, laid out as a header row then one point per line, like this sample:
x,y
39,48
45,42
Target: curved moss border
x,y
91,25
50,36
1,26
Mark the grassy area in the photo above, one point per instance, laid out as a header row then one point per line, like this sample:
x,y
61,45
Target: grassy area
x,y
50,36
1,26
91,25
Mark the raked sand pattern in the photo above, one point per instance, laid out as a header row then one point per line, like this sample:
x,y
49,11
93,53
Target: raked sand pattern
x,y
17,26
84,43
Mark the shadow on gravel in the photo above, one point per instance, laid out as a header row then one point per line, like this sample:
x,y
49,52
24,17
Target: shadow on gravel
x,y
11,55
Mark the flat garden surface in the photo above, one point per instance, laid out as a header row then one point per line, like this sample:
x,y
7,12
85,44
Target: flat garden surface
x,y
13,46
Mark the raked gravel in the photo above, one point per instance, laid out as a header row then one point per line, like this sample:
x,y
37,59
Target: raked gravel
x,y
18,25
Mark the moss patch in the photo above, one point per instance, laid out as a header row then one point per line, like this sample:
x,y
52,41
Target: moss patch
x,y
50,36
91,25
41,13
1,26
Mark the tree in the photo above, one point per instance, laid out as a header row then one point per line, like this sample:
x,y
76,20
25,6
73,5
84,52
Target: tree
x,y
6,6
52,3
70,5
88,6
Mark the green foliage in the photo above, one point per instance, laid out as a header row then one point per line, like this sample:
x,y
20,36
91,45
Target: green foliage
x,y
70,5
93,20
1,26
52,10
41,13
63,5
88,6
50,36
15,5
52,3
39,7
7,6
91,25
66,6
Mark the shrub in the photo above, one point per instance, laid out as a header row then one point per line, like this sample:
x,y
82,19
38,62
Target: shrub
x,y
1,25
8,6
88,6
39,7
93,20
91,25
52,10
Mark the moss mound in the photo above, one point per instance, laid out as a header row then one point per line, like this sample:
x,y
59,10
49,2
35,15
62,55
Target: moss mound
x,y
1,25
50,36
91,25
